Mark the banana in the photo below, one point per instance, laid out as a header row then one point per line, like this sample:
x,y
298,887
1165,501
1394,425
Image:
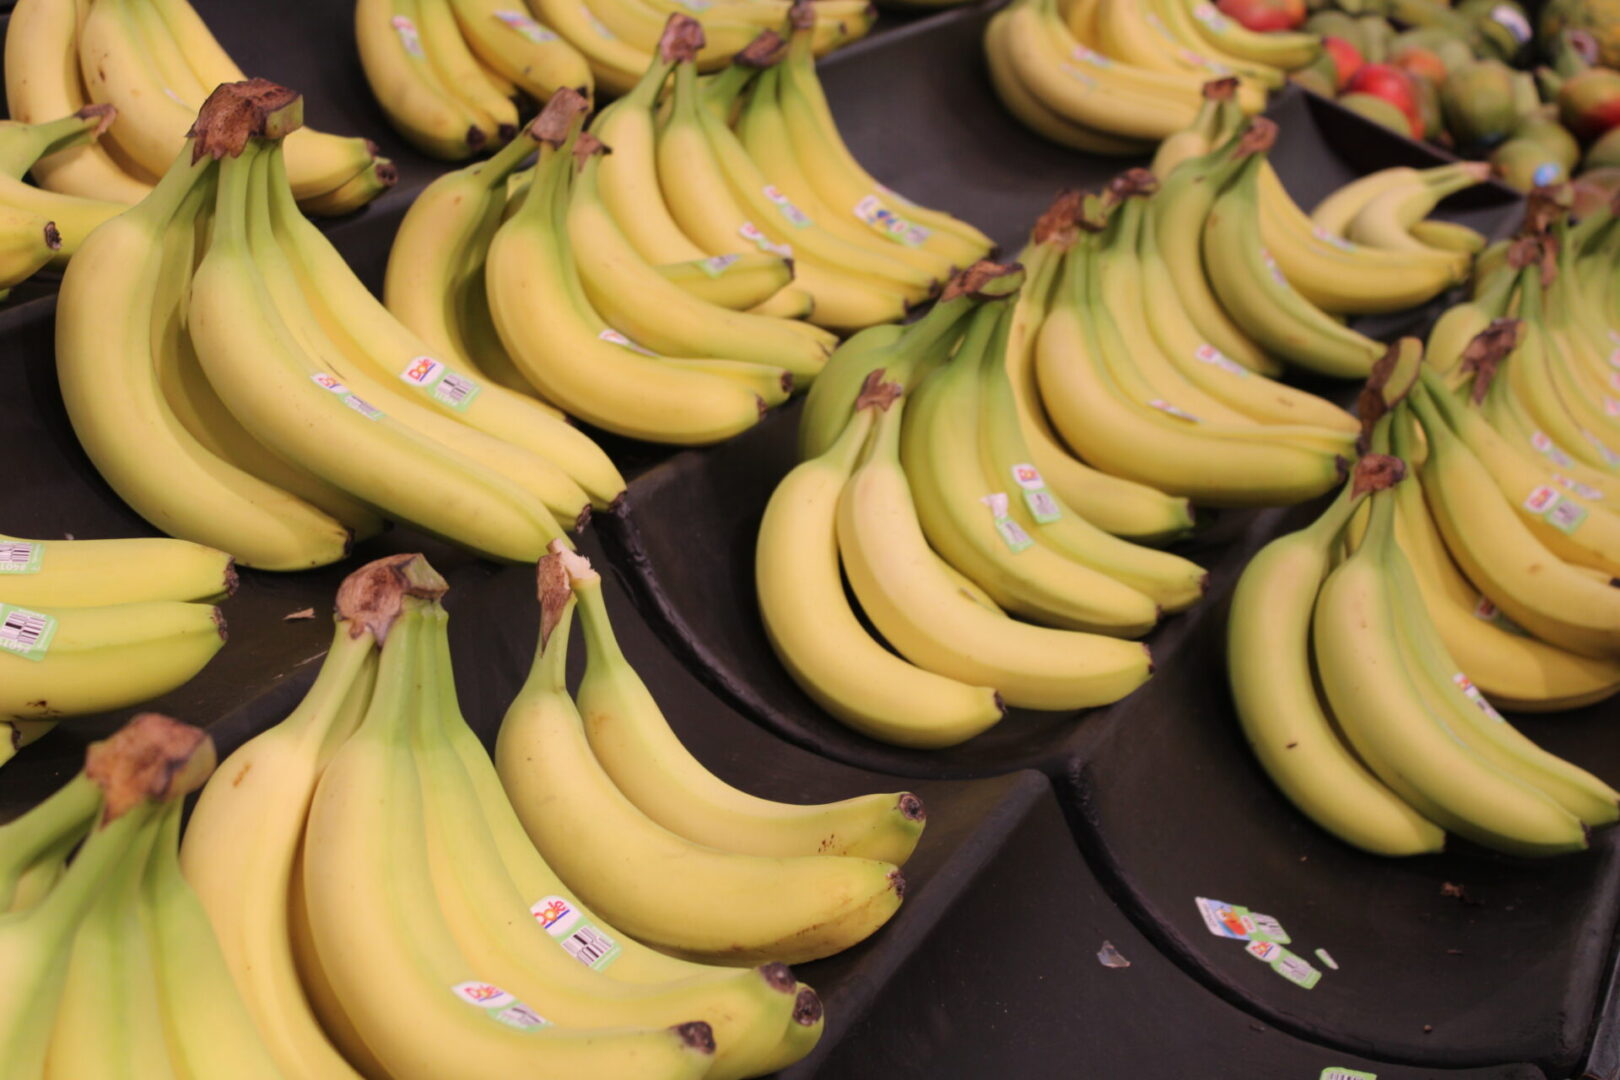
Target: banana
x,y
411,994
461,71
368,333
52,827
208,1027
355,193
22,144
1282,714
243,836
72,216
1175,21
647,762
795,908
921,612
1198,139
503,932
27,243
566,350
740,282
1503,558
1531,380
98,573
416,101
1257,296
964,523
43,83
1135,34
282,395
840,180
1369,685
16,734
1386,221
1448,236
1287,51
520,50
658,315
815,633
615,65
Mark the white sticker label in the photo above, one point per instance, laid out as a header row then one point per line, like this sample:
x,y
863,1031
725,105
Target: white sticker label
x,y
1209,354
327,382
26,633
1296,969
1011,532
1180,414
446,386
20,556
872,211
1095,59
1339,1072
1042,506
1585,491
1549,449
1471,692
582,940
619,339
1327,961
795,217
1513,21
526,26
751,232
718,264
408,37
1271,265
1211,17
1332,239
1555,509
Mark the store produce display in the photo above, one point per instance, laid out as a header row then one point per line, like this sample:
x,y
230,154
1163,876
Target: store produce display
x,y
948,560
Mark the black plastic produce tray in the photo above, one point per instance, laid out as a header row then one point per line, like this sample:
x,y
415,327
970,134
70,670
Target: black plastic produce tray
x,y
992,965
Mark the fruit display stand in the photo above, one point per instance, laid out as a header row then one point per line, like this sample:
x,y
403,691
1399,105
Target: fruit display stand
x,y
1050,926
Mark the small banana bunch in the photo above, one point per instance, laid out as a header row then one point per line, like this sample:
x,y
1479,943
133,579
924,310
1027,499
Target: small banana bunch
x,y
262,401
87,626
1355,683
155,62
108,960
1116,76
385,912
928,499
651,277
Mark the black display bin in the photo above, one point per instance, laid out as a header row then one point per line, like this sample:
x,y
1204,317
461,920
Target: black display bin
x,y
1051,834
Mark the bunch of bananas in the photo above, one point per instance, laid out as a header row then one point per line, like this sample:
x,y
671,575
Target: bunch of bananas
x,y
1116,76
87,626
450,73
1359,686
107,962
650,276
262,401
155,62
385,912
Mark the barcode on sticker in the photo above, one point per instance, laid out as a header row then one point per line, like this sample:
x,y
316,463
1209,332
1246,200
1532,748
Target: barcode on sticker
x,y
1010,531
619,339
795,217
890,224
1179,413
364,408
1079,76
1269,929
1296,969
26,633
1042,506
454,390
408,37
1209,354
499,1006
526,26
20,556
582,940
590,946
1339,1072
751,232
327,382
718,264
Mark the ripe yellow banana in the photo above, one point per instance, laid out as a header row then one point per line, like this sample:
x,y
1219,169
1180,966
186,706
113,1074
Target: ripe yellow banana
x,y
520,50
96,573
416,100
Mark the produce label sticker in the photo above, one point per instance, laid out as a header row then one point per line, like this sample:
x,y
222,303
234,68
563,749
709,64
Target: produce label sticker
x,y
26,633
1327,961
1079,76
1296,969
449,387
1549,449
20,556
695,5
1492,614
1271,265
1179,413
1471,692
1042,506
1225,920
1515,23
582,940
1550,506
1210,16
751,232
1339,1072
1014,535
174,97
1602,448
327,382
408,37
499,1006
1332,239
717,264
1585,491
795,217
1209,354
526,26
1265,951
1095,59
598,25
617,338
1267,929
872,211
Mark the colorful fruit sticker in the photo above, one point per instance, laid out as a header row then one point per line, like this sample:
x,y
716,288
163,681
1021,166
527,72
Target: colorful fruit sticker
x,y
1339,1072
1042,506
454,390
327,382
1264,951
872,212
26,633
20,556
1209,354
1332,238
1095,59
1017,539
526,26
1271,264
1223,919
1585,491
795,217
1179,413
1490,613
1210,17
1561,513
582,940
619,339
751,232
499,1006
1296,969
1549,449
1268,929
1471,692
598,25
408,37
1602,448
716,265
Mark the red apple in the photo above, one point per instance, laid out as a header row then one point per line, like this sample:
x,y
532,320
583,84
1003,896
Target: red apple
x,y
1346,57
1264,15
1420,61
1392,84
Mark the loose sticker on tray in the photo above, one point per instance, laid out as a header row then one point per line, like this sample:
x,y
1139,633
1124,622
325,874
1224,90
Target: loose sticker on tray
x,y
1327,961
1551,506
450,387
1296,969
526,26
1042,506
20,556
26,633
908,233
499,1006
327,382
1339,1072
1011,532
581,939
1236,921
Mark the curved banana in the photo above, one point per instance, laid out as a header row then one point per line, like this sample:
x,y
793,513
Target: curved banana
x,y
97,573
1288,51
1386,221
54,826
463,72
416,101
740,282
520,50
1340,206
